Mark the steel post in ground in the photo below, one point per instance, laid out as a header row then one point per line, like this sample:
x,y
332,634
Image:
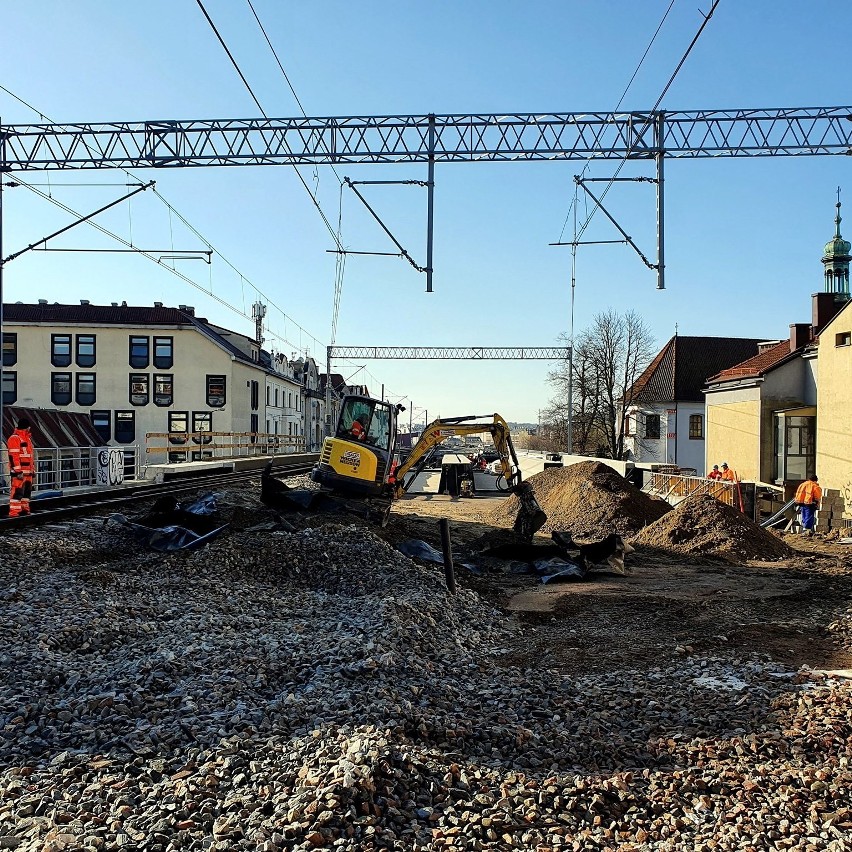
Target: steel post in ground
x,y
446,545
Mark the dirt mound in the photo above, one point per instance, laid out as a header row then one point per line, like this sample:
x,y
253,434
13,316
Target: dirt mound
x,y
701,524
588,499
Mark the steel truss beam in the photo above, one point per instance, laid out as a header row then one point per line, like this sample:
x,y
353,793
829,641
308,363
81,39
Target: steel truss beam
x,y
465,353
428,138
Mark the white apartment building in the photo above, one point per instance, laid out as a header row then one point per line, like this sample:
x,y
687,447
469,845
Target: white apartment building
x,y
136,370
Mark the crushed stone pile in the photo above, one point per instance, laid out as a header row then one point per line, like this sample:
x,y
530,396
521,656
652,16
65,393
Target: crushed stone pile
x,y
588,499
703,525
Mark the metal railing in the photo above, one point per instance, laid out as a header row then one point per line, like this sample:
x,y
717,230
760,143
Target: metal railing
x,y
667,485
68,468
179,447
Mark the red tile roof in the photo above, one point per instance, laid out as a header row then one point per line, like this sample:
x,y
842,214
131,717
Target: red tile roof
x,y
756,366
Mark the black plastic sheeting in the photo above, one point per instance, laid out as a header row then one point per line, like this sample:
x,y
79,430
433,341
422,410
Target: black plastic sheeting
x,y
171,526
416,548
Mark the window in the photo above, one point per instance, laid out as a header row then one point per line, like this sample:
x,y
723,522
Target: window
x,y
652,425
10,348
163,389
255,427
276,397
139,351
102,421
178,427
202,421
215,391
60,388
164,352
125,427
10,387
628,427
60,350
178,423
139,388
267,394
85,388
85,356
842,339
696,426
255,396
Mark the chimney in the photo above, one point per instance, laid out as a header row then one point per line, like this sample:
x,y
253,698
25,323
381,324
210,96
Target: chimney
x,y
115,304
800,335
42,301
824,307
84,301
158,304
124,304
190,310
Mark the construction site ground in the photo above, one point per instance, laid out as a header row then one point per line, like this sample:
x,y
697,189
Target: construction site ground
x,y
668,606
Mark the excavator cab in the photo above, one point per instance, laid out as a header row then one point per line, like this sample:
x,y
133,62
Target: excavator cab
x,y
357,458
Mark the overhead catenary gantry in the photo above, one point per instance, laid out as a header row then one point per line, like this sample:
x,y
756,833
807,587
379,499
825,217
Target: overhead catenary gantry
x,y
431,139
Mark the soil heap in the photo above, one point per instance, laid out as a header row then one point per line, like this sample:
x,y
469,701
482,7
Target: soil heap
x,y
701,524
589,500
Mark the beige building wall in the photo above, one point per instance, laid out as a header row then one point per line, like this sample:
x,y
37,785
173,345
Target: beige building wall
x,y
734,430
194,358
834,405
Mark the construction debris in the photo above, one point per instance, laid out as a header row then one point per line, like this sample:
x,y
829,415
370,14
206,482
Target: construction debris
x,y
701,524
590,500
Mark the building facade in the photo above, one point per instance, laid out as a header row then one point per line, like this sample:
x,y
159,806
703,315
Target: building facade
x,y
136,370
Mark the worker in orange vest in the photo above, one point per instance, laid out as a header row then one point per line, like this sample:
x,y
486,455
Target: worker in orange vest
x,y
357,429
727,474
21,467
808,495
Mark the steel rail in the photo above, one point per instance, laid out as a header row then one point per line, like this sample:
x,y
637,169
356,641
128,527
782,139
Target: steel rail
x,y
477,137
52,509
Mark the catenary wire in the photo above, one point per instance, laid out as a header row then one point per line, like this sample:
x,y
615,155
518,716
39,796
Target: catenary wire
x,y
588,162
172,210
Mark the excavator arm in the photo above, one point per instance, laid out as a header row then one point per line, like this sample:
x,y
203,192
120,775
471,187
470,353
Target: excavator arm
x,y
530,516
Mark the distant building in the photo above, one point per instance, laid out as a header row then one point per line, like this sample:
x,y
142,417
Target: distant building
x,y
665,421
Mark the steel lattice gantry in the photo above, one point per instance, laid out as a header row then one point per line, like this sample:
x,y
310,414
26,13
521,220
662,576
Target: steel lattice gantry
x,y
468,353
428,138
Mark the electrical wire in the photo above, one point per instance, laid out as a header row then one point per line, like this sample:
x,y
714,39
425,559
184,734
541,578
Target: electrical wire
x,y
588,162
151,257
172,211
650,118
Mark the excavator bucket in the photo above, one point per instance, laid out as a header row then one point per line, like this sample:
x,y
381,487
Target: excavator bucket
x,y
530,517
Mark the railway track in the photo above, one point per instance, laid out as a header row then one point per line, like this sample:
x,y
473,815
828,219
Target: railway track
x,y
94,502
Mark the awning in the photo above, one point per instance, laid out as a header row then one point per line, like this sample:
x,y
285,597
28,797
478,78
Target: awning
x,y
51,428
806,411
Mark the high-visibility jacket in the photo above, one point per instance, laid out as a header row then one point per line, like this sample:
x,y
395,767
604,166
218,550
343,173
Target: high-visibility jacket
x,y
714,474
20,446
357,429
808,492
728,475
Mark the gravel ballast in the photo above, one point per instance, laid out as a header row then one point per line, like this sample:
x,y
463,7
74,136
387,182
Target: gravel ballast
x,y
318,690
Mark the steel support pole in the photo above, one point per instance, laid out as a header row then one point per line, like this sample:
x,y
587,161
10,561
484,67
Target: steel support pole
x,y
430,198
327,429
661,235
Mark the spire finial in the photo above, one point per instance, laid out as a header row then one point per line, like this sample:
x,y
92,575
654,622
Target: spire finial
x,y
837,219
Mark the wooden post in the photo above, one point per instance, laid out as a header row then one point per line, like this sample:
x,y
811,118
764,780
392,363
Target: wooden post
x,y
449,571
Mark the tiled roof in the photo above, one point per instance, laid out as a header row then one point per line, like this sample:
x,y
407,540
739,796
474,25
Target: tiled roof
x,y
756,366
682,367
96,314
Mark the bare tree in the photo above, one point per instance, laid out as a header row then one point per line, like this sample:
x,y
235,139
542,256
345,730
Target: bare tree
x,y
608,358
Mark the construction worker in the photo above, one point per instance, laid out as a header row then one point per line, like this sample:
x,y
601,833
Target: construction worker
x,y
727,474
808,495
21,467
715,473
358,429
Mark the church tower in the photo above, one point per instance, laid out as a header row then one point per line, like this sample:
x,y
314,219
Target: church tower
x,y
835,259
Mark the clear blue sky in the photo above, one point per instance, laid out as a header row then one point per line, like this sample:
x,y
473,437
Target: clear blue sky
x,y
744,237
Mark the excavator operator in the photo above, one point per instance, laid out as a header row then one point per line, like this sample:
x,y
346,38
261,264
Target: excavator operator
x,y
358,429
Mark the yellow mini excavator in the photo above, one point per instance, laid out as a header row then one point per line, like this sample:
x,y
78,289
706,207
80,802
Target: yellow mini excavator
x,y
359,460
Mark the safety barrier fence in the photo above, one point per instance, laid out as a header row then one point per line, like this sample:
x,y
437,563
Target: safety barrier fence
x,y
67,468
668,485
178,447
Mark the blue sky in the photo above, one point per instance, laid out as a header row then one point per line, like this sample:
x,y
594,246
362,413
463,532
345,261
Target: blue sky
x,y
744,237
